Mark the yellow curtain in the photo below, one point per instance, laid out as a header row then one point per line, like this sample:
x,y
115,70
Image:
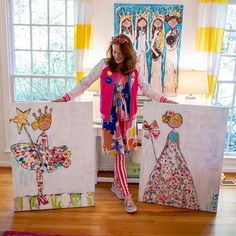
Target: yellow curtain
x,y
210,33
83,30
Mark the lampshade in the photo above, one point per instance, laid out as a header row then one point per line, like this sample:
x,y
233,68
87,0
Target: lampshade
x,y
192,82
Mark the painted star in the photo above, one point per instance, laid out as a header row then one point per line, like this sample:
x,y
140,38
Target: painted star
x,y
21,118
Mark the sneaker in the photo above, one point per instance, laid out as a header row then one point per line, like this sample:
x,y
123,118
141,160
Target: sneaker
x,y
117,191
129,204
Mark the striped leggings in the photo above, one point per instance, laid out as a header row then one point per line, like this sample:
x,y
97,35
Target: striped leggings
x,y
120,175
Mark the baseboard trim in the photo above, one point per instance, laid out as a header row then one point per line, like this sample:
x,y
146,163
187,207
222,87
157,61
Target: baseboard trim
x,y
5,159
110,180
229,164
5,164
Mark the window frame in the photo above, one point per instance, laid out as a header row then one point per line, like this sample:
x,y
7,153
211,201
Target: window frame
x,y
48,76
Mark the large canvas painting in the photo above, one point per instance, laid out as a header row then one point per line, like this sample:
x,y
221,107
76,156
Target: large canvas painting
x,y
155,31
182,155
53,155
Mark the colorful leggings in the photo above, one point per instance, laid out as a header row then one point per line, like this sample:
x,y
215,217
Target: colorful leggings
x,y
120,175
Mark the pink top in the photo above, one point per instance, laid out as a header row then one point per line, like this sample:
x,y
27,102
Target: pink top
x,y
107,82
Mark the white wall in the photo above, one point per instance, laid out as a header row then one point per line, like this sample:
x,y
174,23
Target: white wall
x,y
104,22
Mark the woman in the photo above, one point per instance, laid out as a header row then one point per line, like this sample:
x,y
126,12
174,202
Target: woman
x,y
119,81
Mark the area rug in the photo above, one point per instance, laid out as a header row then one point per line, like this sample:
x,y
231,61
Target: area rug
x,y
17,233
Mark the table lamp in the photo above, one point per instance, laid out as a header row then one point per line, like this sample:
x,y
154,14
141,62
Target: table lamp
x,y
192,82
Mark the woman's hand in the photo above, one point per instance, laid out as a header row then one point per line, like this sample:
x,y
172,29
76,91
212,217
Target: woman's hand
x,y
170,101
61,99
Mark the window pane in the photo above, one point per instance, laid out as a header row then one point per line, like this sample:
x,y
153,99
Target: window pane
x,y
21,12
225,94
235,99
70,12
226,141
231,17
71,66
228,131
70,84
57,38
226,91
70,38
57,12
57,88
39,89
22,37
229,43
47,52
232,140
39,11
227,65
40,63
40,37
22,89
23,62
57,63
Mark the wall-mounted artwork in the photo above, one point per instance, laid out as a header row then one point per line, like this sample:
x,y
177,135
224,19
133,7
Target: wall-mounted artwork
x,y
53,164
155,31
182,155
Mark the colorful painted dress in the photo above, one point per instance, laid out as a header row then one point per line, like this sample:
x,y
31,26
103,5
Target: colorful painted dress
x,y
170,82
39,158
119,135
171,183
157,51
142,47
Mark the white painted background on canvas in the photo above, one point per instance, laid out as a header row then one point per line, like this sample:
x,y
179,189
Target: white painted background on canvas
x,y
201,141
71,126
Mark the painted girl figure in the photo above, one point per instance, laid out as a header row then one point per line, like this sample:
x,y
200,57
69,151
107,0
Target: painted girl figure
x,y
38,157
141,42
120,79
171,42
126,25
157,47
43,122
170,182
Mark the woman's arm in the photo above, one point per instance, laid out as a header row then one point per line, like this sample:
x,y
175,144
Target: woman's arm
x,y
85,83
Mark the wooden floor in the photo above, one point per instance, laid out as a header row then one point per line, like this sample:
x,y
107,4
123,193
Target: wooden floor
x,y
109,217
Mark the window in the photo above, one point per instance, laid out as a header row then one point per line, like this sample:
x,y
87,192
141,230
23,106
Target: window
x,y
226,85
42,52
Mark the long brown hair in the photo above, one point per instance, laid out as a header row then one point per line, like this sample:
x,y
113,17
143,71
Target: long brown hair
x,y
139,28
127,50
130,28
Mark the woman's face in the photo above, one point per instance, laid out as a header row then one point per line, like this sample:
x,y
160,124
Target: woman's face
x,y
158,23
142,23
172,23
173,123
126,23
117,54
